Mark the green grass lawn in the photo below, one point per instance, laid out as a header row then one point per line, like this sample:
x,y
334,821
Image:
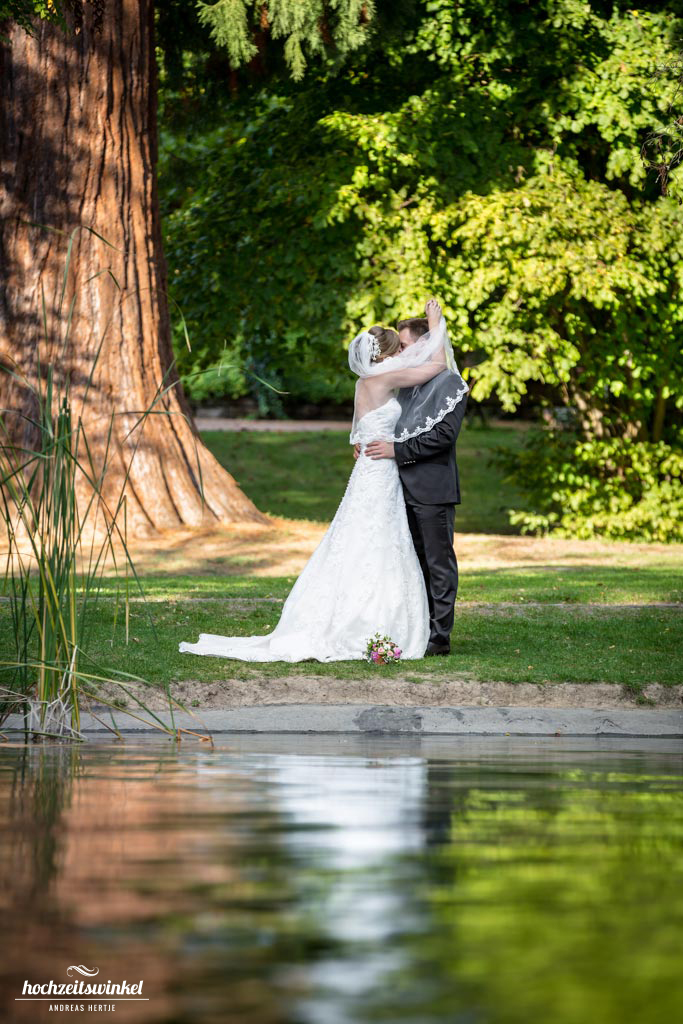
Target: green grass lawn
x,y
594,585
304,475
586,639
542,624
579,644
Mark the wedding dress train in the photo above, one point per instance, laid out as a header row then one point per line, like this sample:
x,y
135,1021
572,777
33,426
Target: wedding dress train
x,y
363,577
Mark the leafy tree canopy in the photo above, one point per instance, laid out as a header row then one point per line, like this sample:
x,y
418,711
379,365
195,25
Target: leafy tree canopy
x,y
488,153
491,153
306,26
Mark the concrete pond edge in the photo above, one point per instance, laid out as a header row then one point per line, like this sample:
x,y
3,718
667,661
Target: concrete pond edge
x,y
384,719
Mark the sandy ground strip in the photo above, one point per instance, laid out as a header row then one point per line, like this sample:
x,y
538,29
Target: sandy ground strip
x,y
399,691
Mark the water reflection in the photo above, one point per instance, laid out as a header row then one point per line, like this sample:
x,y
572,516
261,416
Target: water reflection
x,y
365,814
343,879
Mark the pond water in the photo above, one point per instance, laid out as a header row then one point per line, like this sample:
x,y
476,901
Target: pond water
x,y
345,880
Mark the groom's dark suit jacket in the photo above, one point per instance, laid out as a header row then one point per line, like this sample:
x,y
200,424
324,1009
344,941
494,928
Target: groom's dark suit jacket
x,y
426,463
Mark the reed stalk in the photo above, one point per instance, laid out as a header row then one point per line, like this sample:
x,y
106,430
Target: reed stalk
x,y
57,549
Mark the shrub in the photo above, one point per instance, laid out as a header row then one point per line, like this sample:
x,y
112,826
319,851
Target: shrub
x,y
615,488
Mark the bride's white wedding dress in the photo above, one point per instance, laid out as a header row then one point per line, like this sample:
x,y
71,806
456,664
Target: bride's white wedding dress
x,y
363,577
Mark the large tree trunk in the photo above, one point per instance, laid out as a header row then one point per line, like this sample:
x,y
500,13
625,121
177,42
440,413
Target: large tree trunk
x,y
79,147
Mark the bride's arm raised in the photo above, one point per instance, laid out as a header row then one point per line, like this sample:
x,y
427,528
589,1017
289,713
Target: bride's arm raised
x,y
411,375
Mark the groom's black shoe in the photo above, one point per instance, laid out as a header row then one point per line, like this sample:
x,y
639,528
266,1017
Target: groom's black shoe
x,y
434,649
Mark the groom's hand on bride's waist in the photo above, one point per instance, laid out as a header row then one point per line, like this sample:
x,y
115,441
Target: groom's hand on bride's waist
x,y
380,449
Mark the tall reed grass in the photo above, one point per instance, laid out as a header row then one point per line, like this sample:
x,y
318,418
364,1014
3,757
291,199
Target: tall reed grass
x,y
57,549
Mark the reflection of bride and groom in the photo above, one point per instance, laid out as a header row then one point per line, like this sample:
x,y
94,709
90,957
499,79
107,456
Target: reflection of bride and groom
x,y
386,563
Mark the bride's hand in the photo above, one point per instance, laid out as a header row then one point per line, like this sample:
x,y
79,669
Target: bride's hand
x,y
356,451
432,312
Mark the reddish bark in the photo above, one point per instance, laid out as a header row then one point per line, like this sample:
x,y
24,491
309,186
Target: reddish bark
x,y
78,146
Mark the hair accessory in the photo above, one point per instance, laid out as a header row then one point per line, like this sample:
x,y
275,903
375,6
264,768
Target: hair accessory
x,y
374,347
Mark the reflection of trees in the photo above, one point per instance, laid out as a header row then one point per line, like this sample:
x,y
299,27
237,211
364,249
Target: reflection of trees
x,y
326,890
562,905
124,861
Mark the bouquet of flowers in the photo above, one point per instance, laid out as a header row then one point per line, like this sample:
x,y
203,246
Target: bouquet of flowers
x,y
382,650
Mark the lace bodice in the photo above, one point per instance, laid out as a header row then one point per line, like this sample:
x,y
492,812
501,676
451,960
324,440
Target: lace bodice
x,y
378,425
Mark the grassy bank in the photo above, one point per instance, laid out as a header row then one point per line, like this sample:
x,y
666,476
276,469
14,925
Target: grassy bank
x,y
583,643
544,623
539,626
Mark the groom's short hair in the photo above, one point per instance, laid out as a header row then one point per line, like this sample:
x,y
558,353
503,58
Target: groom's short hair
x,y
417,325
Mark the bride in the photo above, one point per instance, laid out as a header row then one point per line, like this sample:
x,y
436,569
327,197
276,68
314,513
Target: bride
x,y
364,577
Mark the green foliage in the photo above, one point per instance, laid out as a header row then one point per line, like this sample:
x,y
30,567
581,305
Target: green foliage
x,y
430,167
617,488
306,26
486,153
565,282
257,283
25,12
229,24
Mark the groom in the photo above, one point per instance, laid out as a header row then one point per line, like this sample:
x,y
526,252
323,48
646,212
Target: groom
x,y
431,487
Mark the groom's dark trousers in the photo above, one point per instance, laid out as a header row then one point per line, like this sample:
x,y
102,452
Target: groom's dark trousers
x,y
431,487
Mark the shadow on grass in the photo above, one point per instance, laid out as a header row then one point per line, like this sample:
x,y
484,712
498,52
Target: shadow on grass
x,y
545,584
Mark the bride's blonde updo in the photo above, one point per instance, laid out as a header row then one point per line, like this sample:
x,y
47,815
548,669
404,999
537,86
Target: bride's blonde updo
x,y
388,341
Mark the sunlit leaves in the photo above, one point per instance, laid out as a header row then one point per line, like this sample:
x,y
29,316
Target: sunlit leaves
x,y
489,154
619,488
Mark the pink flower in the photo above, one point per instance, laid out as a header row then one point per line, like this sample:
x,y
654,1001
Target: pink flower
x,y
375,656
397,652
